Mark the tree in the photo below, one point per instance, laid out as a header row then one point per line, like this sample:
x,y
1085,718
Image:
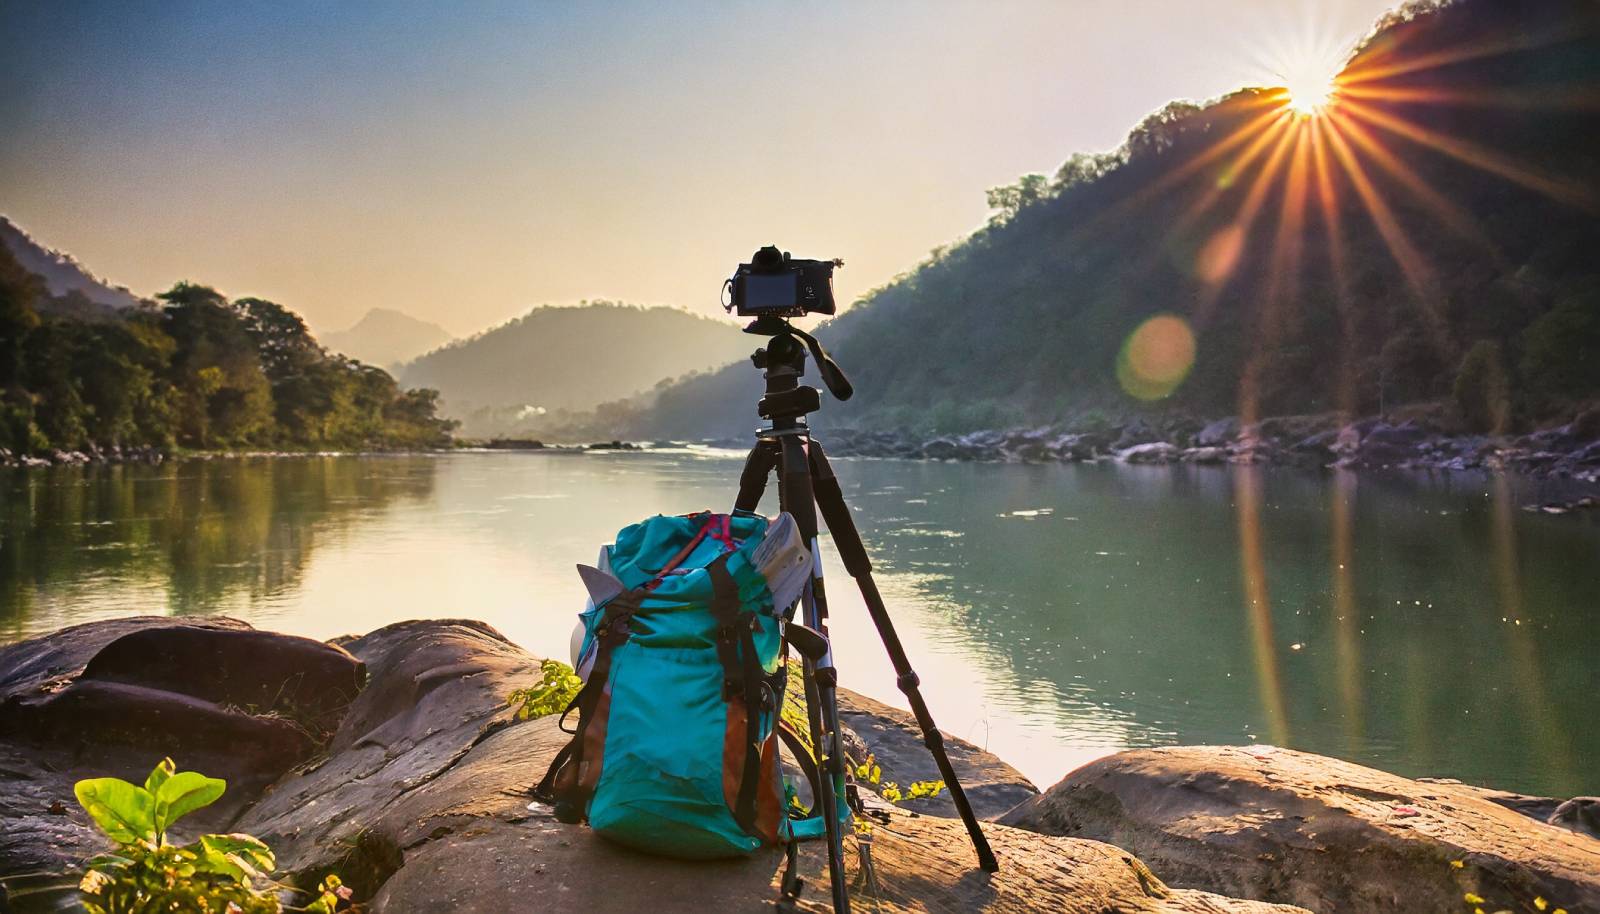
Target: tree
x,y
1009,199
1561,350
1480,391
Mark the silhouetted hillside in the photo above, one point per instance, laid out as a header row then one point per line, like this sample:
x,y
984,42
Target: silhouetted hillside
x,y
563,359
1431,235
70,286
387,337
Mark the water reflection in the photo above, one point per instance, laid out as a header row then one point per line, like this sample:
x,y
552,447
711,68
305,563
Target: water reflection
x,y
1055,613
197,537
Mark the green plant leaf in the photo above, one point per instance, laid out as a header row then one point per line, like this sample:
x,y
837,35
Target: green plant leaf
x,y
248,848
184,793
127,814
222,864
108,863
159,776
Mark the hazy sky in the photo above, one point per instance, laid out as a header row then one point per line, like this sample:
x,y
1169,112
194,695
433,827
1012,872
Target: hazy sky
x,y
465,161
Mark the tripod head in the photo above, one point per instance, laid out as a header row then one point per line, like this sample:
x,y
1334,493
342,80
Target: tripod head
x,y
783,361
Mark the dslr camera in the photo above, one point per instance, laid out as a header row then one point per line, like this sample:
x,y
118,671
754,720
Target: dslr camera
x,y
773,284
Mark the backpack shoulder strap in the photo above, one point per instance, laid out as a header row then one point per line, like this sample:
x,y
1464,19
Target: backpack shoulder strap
x,y
567,785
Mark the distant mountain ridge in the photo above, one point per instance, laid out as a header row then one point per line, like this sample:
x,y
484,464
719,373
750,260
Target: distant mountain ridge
x,y
562,359
62,274
387,337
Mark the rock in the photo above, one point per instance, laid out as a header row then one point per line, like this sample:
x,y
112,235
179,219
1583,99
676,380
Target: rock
x,y
1027,445
424,800
945,448
59,723
1135,433
920,864
304,680
1218,434
421,804
1279,825
1318,446
893,738
1387,445
1155,452
1580,814
1207,455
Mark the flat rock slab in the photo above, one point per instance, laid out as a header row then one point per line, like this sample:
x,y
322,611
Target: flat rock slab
x,y
1278,825
921,864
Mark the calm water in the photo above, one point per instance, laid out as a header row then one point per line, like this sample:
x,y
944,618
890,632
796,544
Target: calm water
x,y
1056,613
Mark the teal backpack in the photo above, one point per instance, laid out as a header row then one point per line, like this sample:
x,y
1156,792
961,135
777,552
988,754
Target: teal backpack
x,y
675,750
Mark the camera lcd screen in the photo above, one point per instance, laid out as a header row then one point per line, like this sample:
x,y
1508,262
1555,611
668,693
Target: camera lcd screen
x,y
771,292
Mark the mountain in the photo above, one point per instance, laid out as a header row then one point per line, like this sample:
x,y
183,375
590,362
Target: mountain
x,y
63,276
387,337
1428,234
554,361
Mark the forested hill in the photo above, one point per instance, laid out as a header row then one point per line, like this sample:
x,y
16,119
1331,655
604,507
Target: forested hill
x,y
193,370
70,287
1429,235
553,359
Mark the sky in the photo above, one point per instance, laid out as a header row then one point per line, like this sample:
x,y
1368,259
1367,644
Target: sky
x,y
464,162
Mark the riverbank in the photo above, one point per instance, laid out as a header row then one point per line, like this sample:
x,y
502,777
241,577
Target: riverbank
x,y
1569,450
1417,442
394,759
152,456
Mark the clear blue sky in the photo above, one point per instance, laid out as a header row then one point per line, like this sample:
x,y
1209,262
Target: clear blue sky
x,y
465,161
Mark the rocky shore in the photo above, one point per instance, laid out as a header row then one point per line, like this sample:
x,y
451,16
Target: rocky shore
x,y
1570,450
393,759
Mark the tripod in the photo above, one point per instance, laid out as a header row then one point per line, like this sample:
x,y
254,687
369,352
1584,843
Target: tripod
x,y
805,484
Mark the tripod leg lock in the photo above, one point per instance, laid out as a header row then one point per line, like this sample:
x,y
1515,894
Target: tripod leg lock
x,y
908,680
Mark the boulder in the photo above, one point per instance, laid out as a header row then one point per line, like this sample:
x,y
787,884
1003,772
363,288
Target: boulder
x,y
1385,445
1206,455
77,703
1218,434
1136,433
264,672
894,740
1154,452
1278,825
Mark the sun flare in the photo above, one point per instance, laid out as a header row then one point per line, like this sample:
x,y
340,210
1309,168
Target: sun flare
x,y
1311,95
1306,68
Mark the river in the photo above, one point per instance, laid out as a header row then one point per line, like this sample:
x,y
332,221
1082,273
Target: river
x,y
1425,625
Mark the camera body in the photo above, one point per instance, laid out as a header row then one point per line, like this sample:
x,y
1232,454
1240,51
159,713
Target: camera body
x,y
777,285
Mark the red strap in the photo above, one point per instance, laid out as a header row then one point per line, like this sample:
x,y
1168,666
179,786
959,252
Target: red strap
x,y
726,536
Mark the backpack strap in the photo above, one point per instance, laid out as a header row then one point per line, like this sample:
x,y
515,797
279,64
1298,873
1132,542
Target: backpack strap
x,y
568,783
742,679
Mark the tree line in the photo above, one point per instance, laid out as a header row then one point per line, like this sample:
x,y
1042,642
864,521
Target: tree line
x,y
192,370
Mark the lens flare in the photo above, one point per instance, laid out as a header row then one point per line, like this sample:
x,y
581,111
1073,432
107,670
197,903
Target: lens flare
x,y
1156,357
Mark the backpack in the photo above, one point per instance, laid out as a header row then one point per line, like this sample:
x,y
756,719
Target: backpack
x,y
675,750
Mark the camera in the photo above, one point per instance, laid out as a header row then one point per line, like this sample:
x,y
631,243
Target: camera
x,y
775,284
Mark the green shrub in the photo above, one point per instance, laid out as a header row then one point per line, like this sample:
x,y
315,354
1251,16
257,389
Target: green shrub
x,y
551,695
215,874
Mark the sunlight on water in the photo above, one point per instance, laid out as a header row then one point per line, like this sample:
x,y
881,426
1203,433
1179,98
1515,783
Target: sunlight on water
x,y
1055,613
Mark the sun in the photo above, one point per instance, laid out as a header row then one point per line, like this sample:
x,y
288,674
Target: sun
x,y
1305,66
1309,94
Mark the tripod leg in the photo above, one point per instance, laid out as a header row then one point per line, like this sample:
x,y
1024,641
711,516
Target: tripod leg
x,y
820,678
753,480
830,499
